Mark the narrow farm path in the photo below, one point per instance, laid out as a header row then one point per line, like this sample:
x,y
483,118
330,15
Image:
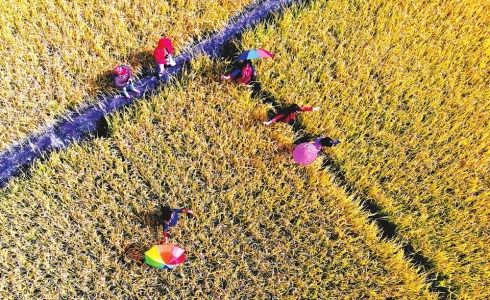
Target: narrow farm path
x,y
87,121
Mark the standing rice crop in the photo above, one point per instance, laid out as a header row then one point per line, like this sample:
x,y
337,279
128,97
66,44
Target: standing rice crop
x,y
405,86
57,55
79,224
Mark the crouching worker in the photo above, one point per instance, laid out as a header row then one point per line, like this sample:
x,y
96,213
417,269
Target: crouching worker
x,y
244,74
324,142
163,55
170,218
123,79
289,113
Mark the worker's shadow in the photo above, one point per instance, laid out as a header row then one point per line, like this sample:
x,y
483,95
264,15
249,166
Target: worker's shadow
x,y
134,252
260,94
305,137
142,63
150,218
230,50
103,83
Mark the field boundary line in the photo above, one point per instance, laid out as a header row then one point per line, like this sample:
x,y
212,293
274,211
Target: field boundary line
x,y
86,121
387,228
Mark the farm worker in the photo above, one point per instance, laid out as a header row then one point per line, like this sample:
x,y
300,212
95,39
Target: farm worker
x,y
163,55
170,218
290,113
244,74
324,142
124,78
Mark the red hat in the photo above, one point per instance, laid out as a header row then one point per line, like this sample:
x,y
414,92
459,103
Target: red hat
x,y
119,70
164,43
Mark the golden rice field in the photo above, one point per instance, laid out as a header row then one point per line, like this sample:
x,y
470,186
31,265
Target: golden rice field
x,y
57,55
405,85
78,226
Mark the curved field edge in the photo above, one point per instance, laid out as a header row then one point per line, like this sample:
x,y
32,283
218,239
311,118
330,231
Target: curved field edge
x,y
264,227
58,55
405,87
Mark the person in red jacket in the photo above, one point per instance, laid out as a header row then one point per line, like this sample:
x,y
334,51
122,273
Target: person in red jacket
x,y
124,78
244,74
170,218
163,55
290,113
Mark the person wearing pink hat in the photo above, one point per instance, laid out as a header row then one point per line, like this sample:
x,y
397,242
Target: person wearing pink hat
x,y
124,78
163,55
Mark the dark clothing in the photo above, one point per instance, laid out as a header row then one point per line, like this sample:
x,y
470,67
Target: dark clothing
x,y
325,142
173,219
